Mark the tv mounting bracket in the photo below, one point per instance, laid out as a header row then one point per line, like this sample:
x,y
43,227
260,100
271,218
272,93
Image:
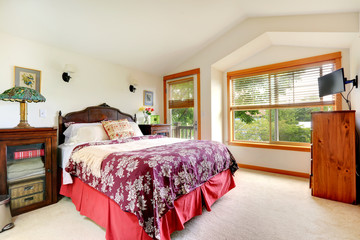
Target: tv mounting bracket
x,y
354,81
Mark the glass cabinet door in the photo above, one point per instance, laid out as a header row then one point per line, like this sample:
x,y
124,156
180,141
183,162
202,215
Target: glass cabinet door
x,y
26,174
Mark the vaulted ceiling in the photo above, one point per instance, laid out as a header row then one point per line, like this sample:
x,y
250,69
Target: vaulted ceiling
x,y
152,36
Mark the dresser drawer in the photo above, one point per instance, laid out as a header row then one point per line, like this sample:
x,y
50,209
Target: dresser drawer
x,y
155,129
25,188
27,200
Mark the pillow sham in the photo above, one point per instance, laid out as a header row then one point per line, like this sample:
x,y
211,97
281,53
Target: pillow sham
x,y
72,130
118,129
89,134
135,127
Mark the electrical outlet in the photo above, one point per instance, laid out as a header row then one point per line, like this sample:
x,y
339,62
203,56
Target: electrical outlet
x,y
42,113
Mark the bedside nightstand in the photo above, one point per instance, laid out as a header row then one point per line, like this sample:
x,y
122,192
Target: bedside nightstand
x,y
155,129
28,167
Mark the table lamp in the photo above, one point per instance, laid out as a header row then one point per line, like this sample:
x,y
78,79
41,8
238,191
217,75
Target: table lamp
x,y
22,95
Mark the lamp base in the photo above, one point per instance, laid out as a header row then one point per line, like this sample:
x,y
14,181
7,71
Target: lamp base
x,y
24,125
23,116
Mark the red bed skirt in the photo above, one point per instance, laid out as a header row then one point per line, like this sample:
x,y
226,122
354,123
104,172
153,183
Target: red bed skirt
x,y
123,225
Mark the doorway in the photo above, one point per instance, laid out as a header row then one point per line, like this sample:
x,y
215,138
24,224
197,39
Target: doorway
x,y
182,104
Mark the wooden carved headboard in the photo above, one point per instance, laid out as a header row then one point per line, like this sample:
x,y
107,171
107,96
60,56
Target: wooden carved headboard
x,y
90,115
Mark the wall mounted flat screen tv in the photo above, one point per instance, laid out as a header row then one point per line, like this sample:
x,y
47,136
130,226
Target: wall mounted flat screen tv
x,y
332,83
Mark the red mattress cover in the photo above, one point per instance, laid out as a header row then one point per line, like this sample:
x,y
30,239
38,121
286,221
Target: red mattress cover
x,y
122,225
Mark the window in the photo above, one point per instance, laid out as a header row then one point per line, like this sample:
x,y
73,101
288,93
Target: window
x,y
181,93
181,107
271,106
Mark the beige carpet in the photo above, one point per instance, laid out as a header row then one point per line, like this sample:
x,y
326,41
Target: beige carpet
x,y
263,206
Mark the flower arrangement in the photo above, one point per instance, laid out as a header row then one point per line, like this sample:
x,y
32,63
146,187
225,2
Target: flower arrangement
x,y
146,111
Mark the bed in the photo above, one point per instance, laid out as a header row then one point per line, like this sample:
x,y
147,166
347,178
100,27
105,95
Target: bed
x,y
148,192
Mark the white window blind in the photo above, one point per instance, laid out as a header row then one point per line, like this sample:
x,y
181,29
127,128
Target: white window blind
x,y
181,94
281,89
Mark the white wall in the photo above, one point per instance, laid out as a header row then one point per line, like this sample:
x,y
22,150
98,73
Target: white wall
x,y
249,30
355,70
277,54
217,105
271,158
239,36
93,83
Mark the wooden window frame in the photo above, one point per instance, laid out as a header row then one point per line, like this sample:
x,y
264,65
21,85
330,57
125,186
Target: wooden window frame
x,y
304,147
185,74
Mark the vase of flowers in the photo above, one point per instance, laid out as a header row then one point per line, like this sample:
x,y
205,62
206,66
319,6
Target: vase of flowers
x,y
147,112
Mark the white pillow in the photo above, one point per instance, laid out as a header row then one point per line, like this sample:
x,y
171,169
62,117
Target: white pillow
x,y
89,134
85,132
138,132
73,128
72,134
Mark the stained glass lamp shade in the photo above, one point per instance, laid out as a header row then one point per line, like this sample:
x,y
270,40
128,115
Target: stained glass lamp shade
x,y
22,95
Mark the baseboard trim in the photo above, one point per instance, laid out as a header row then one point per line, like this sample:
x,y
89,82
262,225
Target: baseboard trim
x,y
274,170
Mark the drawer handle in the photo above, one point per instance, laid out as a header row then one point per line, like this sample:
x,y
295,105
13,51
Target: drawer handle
x,y
28,188
28,199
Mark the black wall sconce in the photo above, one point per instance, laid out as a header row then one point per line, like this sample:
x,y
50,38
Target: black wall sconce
x,y
67,70
132,88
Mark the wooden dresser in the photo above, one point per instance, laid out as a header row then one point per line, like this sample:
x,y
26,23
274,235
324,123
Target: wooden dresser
x,y
155,129
28,167
333,153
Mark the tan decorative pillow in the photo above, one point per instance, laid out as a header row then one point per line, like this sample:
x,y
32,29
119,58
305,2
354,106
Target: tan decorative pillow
x,y
118,129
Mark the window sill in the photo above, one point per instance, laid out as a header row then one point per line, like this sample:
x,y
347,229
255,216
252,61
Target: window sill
x,y
300,148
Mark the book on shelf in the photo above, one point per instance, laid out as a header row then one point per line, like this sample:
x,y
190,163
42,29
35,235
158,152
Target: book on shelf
x,y
29,154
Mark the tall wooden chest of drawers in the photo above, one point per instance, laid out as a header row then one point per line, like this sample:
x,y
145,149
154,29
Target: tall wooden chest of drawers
x,y
333,165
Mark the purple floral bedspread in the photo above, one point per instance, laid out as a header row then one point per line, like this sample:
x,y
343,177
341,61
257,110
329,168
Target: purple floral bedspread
x,y
148,181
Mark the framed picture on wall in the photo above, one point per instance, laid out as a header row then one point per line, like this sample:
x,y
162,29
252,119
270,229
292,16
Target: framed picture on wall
x,y
148,98
26,77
